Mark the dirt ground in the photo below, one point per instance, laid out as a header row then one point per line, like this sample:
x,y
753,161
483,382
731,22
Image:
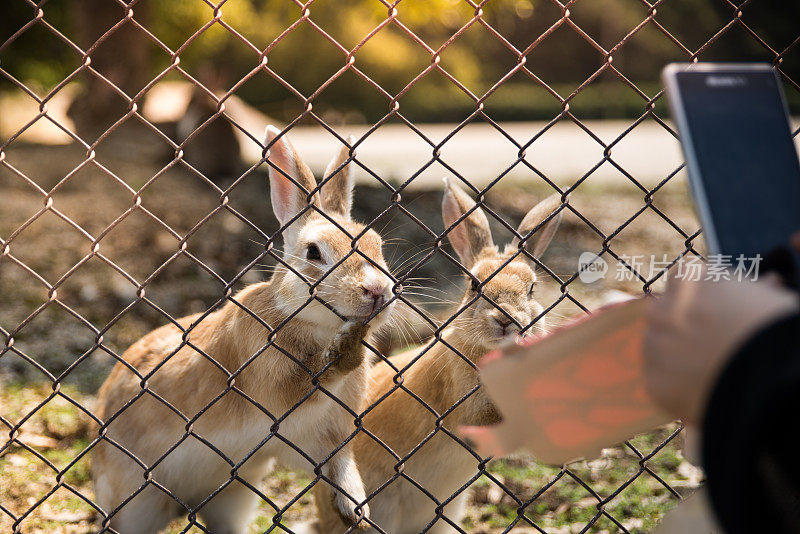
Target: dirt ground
x,y
56,340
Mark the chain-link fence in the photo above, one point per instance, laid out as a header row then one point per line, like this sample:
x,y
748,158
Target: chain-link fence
x,y
134,192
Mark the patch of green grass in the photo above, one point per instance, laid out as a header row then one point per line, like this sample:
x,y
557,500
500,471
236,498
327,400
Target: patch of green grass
x,y
636,499
79,473
58,432
618,485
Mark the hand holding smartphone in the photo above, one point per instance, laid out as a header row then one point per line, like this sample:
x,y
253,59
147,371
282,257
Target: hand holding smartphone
x,y
582,387
743,166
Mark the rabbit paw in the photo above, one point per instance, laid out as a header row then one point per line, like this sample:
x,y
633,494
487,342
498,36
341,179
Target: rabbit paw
x,y
347,511
346,351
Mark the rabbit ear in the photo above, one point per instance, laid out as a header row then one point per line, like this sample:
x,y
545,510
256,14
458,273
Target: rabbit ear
x,y
290,182
337,189
472,234
537,243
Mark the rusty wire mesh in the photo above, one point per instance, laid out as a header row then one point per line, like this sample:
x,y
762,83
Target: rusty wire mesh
x,y
92,242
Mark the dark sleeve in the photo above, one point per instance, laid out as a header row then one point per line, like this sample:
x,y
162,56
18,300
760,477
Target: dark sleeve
x,y
751,453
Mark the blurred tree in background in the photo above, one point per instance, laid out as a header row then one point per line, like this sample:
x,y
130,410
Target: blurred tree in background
x,y
477,58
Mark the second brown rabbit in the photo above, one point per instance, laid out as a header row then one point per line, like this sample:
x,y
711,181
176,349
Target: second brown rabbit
x,y
499,301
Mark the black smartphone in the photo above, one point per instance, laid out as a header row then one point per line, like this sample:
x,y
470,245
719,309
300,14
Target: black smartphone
x,y
743,166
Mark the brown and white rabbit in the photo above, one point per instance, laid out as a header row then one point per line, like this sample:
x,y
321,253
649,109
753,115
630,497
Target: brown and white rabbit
x,y
442,378
252,423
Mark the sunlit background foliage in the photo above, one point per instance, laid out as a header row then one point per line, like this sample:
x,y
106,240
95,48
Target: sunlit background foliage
x,y
478,58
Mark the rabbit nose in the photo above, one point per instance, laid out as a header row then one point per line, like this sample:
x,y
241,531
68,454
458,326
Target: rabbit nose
x,y
376,292
504,323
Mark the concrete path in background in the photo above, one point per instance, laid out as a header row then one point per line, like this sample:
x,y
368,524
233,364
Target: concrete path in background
x,y
564,153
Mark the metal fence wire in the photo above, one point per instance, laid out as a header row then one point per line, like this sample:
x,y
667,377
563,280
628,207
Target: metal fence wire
x,y
152,490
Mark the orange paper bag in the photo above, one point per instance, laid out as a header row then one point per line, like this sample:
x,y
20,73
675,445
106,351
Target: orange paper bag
x,y
573,392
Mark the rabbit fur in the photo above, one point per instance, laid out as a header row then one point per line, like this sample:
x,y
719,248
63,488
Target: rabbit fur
x,y
228,383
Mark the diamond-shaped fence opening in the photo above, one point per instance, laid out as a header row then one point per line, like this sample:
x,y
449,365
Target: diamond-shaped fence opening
x,y
293,355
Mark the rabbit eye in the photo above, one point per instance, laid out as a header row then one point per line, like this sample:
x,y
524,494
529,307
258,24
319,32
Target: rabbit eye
x,y
313,253
475,284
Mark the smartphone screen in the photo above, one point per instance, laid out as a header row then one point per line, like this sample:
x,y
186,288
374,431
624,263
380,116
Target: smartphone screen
x,y
742,161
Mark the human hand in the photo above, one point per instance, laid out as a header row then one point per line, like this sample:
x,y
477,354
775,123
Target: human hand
x,y
695,327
